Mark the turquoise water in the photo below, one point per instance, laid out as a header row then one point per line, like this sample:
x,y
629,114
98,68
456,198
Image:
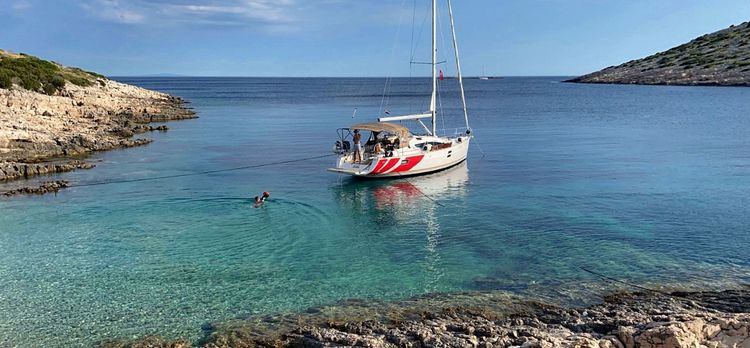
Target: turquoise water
x,y
647,184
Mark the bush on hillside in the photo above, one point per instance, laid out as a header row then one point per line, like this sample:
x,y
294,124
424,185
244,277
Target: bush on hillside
x,y
40,75
5,81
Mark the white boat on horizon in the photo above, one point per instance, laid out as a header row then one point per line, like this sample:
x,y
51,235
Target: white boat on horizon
x,y
392,149
483,76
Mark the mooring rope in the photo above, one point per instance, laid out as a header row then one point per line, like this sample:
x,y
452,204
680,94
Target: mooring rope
x,y
615,280
675,296
422,192
197,173
479,146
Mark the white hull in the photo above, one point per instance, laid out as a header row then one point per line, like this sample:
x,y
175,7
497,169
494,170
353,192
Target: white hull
x,y
417,158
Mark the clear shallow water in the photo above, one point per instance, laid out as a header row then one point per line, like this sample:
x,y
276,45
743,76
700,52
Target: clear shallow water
x,y
647,184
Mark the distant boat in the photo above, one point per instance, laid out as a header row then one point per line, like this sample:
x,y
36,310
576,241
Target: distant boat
x,y
392,150
483,76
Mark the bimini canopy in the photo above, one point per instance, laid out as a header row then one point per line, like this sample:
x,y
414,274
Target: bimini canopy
x,y
399,130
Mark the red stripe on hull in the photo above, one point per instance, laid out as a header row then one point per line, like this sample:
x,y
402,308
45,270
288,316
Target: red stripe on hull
x,y
391,163
410,163
379,165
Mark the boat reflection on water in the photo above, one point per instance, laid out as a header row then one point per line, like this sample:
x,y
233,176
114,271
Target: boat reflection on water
x,y
438,187
405,197
406,215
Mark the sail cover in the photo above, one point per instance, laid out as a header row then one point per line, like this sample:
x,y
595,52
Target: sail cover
x,y
399,130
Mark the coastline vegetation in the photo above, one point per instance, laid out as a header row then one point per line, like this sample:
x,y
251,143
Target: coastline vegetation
x,y
719,58
40,75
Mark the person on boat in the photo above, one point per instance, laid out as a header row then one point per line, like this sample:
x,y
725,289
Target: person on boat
x,y
262,198
357,146
378,148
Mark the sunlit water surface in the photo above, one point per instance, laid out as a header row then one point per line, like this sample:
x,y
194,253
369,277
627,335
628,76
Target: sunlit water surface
x,y
646,184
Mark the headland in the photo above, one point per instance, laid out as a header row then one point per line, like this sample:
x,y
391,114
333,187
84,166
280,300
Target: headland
x,y
721,58
52,116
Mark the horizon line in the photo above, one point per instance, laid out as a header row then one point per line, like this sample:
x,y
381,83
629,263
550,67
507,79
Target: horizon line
x,y
332,77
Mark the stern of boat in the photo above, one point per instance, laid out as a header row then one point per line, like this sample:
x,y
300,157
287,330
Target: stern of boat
x,y
346,165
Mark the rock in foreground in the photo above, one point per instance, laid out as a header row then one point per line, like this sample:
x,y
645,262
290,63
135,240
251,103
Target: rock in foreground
x,y
703,319
718,59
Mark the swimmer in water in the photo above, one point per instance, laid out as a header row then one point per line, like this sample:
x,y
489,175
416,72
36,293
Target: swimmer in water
x,y
261,199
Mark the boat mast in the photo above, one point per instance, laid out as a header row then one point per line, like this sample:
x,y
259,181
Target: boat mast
x,y
434,66
458,66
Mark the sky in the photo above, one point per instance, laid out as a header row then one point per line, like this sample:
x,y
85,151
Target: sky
x,y
352,37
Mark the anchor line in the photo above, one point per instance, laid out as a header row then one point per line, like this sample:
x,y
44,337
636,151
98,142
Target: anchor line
x,y
675,296
197,173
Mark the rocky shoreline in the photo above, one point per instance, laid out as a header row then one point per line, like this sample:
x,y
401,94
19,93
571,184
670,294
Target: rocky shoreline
x,y
629,320
39,130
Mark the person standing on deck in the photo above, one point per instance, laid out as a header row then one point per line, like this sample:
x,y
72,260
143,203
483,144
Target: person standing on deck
x,y
357,146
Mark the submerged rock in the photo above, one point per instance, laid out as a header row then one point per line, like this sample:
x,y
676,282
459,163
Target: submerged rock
x,y
47,187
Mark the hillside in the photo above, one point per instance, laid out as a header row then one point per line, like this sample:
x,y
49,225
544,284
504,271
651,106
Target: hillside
x,y
50,112
39,75
717,59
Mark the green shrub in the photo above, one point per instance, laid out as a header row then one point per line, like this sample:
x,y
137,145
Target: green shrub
x,y
79,81
49,89
38,75
5,81
667,60
30,83
57,82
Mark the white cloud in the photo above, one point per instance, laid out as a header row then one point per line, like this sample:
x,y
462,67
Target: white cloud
x,y
262,13
20,5
112,10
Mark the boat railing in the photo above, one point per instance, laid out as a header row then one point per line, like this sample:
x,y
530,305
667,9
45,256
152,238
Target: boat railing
x,y
455,131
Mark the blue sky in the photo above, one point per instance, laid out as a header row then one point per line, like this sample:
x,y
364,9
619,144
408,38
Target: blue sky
x,y
350,37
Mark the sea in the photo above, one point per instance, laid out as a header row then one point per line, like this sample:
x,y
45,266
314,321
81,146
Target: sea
x,y
565,184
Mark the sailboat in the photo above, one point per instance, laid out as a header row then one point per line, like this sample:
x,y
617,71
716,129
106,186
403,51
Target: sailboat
x,y
392,149
483,76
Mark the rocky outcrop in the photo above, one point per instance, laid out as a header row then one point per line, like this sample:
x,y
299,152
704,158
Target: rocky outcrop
x,y
46,187
626,324
77,120
14,170
36,126
718,59
677,320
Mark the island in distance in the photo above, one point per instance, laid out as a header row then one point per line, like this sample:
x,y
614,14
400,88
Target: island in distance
x,y
721,58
